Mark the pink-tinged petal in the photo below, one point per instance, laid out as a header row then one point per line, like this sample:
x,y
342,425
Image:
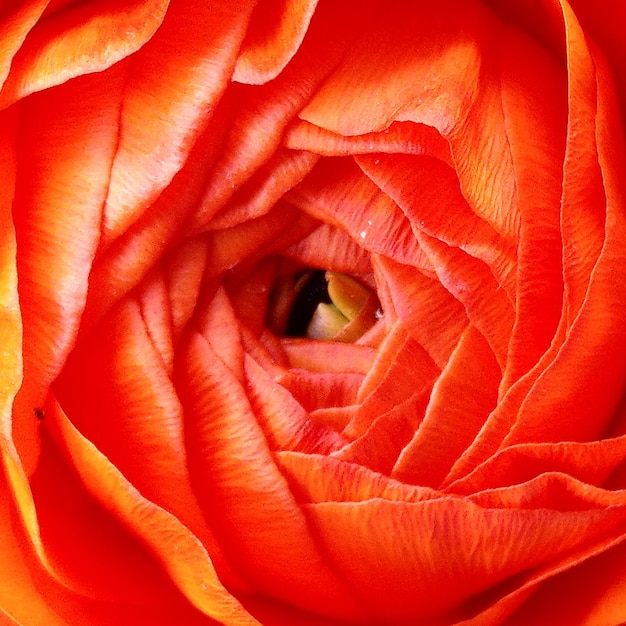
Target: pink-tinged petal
x,y
449,550
181,555
427,190
402,368
400,137
331,248
428,311
66,143
591,462
249,503
173,86
328,356
80,39
461,398
338,192
117,391
285,423
258,195
15,24
260,115
274,34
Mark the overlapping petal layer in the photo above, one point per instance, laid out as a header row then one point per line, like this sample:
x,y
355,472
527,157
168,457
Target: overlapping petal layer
x,y
167,167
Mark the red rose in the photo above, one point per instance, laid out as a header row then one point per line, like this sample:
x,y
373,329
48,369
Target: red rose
x,y
313,313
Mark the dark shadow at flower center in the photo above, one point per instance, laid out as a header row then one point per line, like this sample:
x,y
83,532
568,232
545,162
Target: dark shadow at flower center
x,y
313,292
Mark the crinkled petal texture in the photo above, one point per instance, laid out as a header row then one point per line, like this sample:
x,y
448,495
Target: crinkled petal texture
x,y
172,170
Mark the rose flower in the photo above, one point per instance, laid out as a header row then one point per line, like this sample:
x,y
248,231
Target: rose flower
x,y
313,312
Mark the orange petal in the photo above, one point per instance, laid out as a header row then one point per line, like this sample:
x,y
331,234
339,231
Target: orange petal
x,y
330,247
172,88
119,267
258,195
71,128
260,115
178,551
109,385
275,32
328,356
286,423
249,502
400,137
403,62
472,283
428,312
322,390
449,550
590,462
337,192
78,40
427,190
462,397
389,432
528,95
402,368
14,28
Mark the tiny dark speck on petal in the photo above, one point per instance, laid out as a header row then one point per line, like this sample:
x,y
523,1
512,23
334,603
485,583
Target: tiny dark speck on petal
x,y
39,413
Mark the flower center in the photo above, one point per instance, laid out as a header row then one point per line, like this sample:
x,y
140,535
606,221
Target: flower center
x,y
322,305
